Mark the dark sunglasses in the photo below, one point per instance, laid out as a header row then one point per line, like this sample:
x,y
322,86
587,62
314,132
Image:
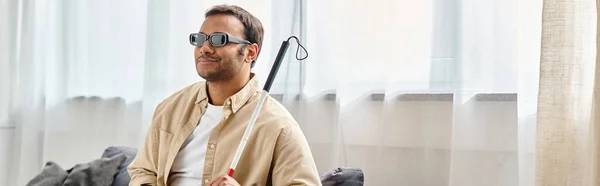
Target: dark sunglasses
x,y
216,39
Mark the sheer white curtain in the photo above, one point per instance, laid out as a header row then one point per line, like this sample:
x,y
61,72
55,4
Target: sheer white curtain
x,y
425,91
412,92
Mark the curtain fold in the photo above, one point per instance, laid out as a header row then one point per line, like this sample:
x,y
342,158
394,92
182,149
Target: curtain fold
x,y
566,140
595,131
527,95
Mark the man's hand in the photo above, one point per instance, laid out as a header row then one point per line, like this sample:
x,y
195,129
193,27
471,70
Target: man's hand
x,y
224,180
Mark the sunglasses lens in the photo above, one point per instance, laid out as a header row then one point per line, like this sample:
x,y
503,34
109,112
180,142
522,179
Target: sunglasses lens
x,y
197,39
218,40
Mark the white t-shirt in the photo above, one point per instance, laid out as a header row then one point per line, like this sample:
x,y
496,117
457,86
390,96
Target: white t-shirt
x,y
189,162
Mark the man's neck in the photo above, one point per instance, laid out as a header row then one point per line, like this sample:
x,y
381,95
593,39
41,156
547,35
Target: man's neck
x,y
219,91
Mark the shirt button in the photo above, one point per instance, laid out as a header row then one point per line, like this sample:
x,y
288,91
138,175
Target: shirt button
x,y
206,180
212,146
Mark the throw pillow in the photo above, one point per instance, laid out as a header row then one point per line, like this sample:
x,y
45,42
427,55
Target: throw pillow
x,y
51,175
97,172
122,178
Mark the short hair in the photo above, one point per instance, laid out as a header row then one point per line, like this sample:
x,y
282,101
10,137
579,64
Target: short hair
x,y
253,29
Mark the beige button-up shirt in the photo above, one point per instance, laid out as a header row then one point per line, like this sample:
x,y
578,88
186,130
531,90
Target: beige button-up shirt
x,y
276,153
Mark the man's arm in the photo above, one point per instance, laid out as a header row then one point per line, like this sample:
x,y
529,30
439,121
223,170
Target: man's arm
x,y
293,161
143,168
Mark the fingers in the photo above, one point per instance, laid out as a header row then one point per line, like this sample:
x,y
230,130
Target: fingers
x,y
223,180
216,181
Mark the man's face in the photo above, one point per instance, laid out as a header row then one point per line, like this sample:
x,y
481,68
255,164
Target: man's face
x,y
224,62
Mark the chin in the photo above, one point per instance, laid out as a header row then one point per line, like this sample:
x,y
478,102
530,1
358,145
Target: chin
x,y
204,72
208,76
203,75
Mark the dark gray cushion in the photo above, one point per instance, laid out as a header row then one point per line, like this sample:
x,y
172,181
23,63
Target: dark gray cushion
x,y
122,177
97,172
51,175
343,176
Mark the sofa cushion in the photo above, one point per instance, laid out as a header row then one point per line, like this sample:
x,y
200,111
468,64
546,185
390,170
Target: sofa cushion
x,y
51,175
122,177
97,172
343,176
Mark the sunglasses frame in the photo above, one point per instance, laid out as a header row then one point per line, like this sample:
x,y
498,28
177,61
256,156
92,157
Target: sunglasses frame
x,y
228,39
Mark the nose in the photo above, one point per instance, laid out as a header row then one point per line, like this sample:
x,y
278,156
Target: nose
x,y
206,48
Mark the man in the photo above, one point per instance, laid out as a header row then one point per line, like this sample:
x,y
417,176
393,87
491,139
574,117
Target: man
x,y
195,132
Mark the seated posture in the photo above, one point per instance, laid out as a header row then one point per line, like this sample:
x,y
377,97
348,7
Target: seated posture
x,y
195,132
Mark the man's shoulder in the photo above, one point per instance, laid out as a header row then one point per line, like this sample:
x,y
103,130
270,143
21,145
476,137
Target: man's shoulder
x,y
278,119
185,95
275,110
190,92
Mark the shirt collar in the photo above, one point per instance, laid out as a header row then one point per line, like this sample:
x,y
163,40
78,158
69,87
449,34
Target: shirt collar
x,y
237,100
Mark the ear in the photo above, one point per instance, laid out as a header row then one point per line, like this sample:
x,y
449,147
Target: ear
x,y
252,51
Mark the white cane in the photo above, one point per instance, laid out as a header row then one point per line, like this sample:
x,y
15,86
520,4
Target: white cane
x,y
261,100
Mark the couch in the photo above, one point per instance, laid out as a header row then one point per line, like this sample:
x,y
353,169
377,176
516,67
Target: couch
x,y
111,169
